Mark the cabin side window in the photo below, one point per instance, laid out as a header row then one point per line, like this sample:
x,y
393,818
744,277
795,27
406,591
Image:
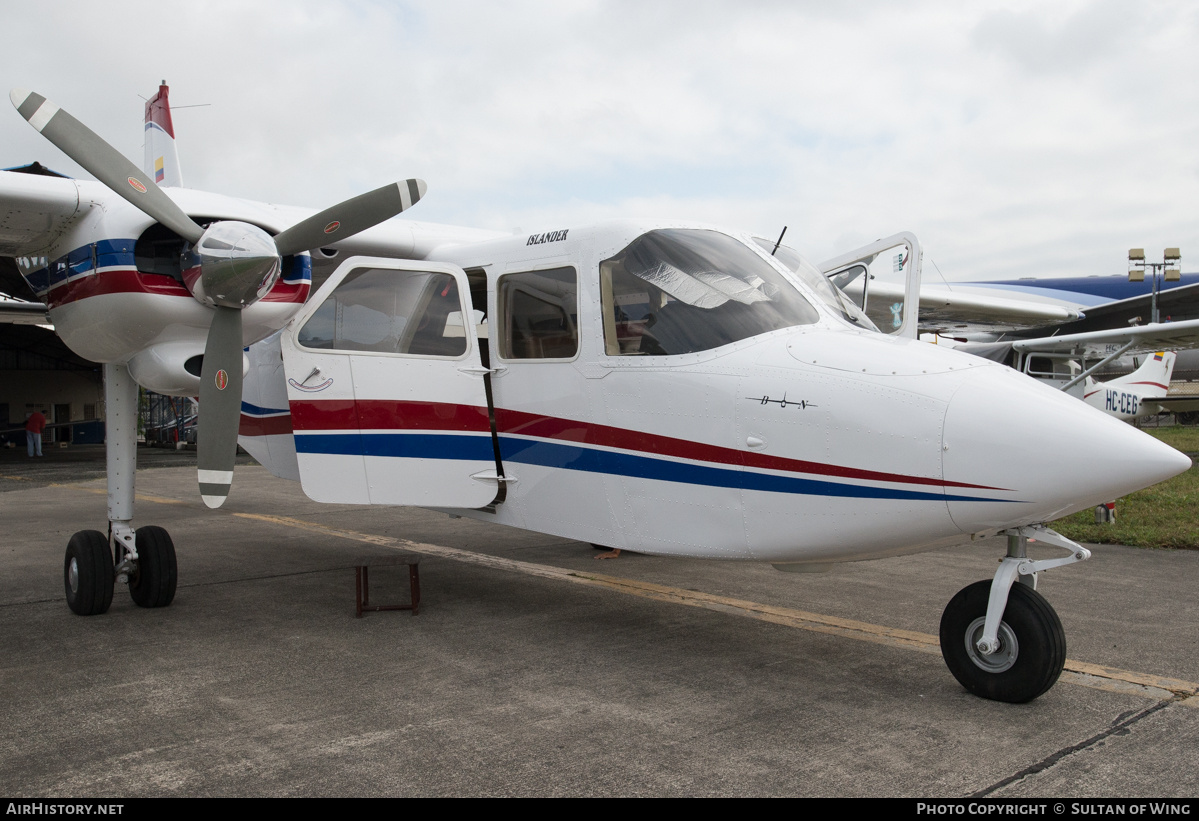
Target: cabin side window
x,y
416,313
540,312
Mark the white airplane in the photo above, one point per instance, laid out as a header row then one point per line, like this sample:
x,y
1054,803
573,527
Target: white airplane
x,y
1032,333
1141,393
665,387
1022,308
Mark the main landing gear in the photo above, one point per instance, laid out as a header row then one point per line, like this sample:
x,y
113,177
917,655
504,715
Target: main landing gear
x,y
1001,639
145,558
89,573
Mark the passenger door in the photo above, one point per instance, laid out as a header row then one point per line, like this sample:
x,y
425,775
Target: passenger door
x,y
386,390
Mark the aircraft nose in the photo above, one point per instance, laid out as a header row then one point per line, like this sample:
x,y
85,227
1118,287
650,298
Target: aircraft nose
x,y
1039,454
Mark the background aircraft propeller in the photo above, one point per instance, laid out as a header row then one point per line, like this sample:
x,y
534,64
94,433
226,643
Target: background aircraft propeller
x,y
230,266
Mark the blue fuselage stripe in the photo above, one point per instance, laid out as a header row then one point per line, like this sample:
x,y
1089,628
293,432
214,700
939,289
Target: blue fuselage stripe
x,y
108,253
572,456
577,457
403,445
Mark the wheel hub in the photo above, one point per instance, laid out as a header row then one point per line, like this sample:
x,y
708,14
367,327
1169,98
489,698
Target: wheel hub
x,y
1003,658
73,575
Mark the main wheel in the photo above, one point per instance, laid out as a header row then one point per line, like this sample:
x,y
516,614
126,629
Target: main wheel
x,y
88,573
153,585
1032,644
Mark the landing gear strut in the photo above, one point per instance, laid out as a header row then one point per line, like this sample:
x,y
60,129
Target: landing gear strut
x,y
145,558
1001,639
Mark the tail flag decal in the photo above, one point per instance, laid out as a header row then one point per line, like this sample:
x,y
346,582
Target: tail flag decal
x,y
161,162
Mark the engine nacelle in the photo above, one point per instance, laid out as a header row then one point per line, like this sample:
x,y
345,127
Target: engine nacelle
x,y
172,368
234,264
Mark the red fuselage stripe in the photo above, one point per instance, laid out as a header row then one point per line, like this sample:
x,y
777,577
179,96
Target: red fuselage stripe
x,y
377,414
131,281
325,415
548,427
264,425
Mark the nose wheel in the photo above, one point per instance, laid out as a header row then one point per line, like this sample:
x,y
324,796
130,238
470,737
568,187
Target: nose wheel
x,y
1031,644
1000,638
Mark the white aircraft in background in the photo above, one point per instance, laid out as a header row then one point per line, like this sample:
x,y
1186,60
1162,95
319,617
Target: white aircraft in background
x,y
660,386
1033,334
1141,393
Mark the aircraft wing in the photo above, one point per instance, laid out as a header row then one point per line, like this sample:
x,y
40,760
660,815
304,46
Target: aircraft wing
x,y
396,239
1162,336
948,312
1177,404
23,313
37,206
35,209
1178,304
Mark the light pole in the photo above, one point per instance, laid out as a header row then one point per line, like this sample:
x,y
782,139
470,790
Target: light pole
x,y
1136,271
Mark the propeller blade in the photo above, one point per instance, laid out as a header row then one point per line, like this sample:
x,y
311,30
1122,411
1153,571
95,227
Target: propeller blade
x,y
348,218
220,406
103,162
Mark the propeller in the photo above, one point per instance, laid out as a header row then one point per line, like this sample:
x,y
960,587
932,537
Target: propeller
x,y
230,266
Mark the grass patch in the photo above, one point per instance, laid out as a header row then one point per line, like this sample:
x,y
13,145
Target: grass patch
x,y
1162,516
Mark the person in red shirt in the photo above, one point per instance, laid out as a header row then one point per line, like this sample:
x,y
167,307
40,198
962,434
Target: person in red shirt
x,y
34,426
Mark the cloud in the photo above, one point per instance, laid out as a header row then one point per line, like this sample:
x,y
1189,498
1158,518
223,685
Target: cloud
x,y
1015,139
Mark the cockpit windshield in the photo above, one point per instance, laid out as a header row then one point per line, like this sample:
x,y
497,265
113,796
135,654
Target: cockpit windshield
x,y
676,291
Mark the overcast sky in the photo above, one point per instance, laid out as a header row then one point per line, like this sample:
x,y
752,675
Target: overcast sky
x,y
1015,138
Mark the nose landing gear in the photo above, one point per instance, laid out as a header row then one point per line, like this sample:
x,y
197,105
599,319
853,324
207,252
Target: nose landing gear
x,y
1001,639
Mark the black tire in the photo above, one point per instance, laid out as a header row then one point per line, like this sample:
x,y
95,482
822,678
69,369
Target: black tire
x,y
153,585
623,550
1032,651
88,573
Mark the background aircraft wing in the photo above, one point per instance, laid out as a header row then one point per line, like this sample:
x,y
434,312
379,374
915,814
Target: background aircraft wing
x,y
943,311
1163,336
1176,304
951,313
1176,403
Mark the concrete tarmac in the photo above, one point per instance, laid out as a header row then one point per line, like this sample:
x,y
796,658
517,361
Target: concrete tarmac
x,y
534,670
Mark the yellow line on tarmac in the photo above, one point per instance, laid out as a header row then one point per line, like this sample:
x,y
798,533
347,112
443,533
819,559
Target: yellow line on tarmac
x,y
141,497
1076,672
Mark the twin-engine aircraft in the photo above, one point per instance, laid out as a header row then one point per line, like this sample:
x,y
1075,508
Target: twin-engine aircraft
x,y
665,387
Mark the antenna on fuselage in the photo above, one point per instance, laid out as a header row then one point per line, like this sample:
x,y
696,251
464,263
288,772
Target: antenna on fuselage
x,y
780,240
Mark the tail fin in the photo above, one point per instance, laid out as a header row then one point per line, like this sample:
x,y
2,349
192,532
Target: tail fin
x,y
1155,372
162,162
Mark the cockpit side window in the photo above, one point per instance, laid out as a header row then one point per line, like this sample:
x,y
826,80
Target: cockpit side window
x,y
678,291
540,311
417,313
832,296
